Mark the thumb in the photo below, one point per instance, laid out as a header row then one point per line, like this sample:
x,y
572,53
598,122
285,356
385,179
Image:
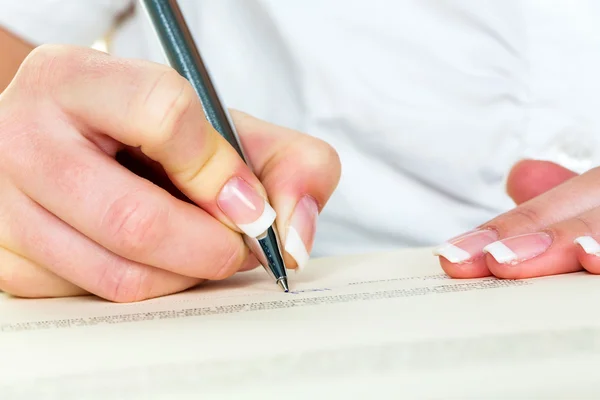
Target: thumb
x,y
530,178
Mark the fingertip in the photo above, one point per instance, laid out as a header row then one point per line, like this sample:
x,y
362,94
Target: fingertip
x,y
502,271
289,260
466,270
462,256
588,251
300,230
239,116
555,262
530,178
589,262
296,253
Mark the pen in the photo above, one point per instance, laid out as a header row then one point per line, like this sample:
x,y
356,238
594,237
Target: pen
x,y
183,56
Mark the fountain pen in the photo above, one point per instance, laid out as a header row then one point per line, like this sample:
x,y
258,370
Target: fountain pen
x,y
182,55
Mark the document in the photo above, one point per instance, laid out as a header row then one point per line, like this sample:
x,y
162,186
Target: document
x,y
387,325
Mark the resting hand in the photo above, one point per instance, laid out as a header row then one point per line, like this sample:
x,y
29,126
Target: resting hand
x,y
553,230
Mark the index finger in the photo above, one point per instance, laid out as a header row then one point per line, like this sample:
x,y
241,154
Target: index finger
x,y
150,106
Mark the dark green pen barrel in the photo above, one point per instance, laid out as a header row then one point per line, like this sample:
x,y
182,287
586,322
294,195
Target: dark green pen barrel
x,y
183,56
269,245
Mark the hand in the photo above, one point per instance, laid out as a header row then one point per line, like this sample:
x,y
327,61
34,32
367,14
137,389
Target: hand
x,y
75,124
553,230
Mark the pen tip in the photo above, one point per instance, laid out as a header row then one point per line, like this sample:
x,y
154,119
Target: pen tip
x,y
283,284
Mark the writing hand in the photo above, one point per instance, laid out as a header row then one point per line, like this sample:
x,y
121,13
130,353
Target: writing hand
x,y
75,124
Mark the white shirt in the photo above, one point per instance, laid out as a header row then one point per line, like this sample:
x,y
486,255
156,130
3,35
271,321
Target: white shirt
x,y
429,103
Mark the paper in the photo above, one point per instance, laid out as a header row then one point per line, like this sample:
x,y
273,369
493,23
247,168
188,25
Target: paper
x,y
382,326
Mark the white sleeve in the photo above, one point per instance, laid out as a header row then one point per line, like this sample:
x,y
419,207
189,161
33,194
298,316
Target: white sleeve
x,y
76,22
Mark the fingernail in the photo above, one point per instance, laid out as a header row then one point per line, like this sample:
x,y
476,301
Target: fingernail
x,y
589,245
521,248
467,247
245,207
301,231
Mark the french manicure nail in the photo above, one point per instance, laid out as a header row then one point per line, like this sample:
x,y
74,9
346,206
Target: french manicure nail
x,y
467,247
589,245
246,207
301,231
520,248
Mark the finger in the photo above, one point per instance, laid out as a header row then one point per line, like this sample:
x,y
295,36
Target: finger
x,y
535,254
250,263
22,278
560,248
150,106
530,178
565,247
90,191
463,256
52,244
527,180
298,171
588,252
124,213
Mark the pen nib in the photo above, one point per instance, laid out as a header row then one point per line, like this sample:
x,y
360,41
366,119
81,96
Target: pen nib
x,y
283,284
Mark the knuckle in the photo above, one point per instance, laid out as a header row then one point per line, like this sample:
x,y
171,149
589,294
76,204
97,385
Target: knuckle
x,y
42,54
45,62
587,225
229,261
242,120
330,157
135,224
321,156
170,96
15,123
528,216
124,283
595,171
